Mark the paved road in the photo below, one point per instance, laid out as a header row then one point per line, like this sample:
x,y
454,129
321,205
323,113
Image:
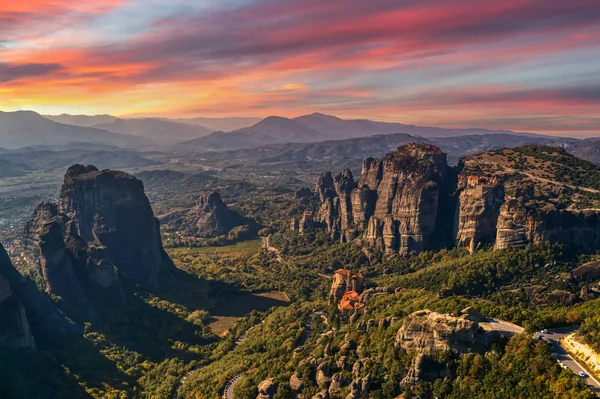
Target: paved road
x,y
228,394
553,336
501,326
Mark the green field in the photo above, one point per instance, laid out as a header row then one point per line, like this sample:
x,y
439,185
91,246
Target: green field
x,y
249,246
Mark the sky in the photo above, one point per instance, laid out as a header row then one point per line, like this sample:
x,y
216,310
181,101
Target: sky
x,y
524,65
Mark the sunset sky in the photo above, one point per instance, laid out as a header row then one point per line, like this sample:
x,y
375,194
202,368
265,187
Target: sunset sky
x,y
526,65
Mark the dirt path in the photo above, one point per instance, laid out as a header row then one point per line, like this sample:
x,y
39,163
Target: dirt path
x,y
269,248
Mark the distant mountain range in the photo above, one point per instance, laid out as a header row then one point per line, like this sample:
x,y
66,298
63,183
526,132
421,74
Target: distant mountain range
x,y
159,130
211,124
81,120
25,128
319,127
220,124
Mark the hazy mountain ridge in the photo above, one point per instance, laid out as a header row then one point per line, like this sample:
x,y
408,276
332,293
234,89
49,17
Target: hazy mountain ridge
x,y
220,124
159,130
25,128
81,120
319,128
271,130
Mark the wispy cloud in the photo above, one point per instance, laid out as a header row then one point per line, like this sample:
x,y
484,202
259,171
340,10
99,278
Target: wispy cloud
x,y
411,60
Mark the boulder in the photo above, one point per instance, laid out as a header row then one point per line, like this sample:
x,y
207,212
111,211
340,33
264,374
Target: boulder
x,y
296,383
266,389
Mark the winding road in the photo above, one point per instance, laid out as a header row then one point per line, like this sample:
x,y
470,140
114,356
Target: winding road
x,y
553,337
231,384
228,394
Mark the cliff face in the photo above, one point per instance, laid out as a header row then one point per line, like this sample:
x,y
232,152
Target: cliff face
x,y
409,201
45,243
209,218
28,318
109,209
395,203
508,208
477,212
102,225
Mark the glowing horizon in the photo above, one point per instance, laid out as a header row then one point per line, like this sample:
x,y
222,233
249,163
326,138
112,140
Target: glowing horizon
x,y
521,65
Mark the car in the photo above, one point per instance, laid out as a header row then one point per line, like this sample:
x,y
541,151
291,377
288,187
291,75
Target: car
x,y
544,331
582,374
541,337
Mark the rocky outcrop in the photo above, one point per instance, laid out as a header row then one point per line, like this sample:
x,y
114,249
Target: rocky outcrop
x,y
102,226
502,207
587,272
28,318
525,220
15,331
427,332
209,218
395,203
266,389
60,270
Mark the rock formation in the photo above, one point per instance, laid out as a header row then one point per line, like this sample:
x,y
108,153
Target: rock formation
x,y
102,226
479,205
411,201
501,207
28,318
424,333
428,332
395,202
209,218
266,389
109,209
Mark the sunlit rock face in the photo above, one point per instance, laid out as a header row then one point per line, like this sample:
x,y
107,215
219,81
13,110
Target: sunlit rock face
x,y
395,203
411,200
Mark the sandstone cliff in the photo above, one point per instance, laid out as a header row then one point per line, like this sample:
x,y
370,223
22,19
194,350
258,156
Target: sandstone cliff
x,y
411,201
101,227
425,333
28,318
395,204
510,203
